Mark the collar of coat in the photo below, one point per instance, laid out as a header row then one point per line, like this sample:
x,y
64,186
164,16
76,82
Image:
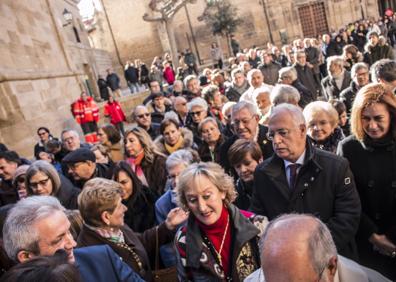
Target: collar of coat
x,y
243,231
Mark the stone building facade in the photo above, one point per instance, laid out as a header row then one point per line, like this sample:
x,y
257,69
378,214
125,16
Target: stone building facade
x,y
133,38
45,64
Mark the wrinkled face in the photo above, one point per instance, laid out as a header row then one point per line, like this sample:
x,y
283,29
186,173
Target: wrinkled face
x,y
245,124
288,139
102,136
171,134
180,106
142,117
319,126
239,79
81,170
198,114
301,58
342,119
133,145
285,79
210,133
41,184
117,217
263,102
126,183
376,120
257,79
193,86
362,77
7,169
245,169
43,135
204,200
70,141
54,235
174,172
155,87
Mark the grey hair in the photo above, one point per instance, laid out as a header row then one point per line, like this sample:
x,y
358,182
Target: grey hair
x,y
288,72
316,107
321,247
184,157
197,102
358,66
338,60
46,168
205,121
251,72
294,111
244,105
189,78
72,131
19,232
138,107
226,106
236,71
171,115
283,93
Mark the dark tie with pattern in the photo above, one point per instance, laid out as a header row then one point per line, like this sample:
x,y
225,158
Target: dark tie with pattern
x,y
293,175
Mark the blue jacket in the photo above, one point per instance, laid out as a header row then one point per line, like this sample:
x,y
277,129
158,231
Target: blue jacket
x,y
101,263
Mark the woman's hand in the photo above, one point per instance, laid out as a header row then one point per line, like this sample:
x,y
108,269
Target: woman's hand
x,y
175,217
383,244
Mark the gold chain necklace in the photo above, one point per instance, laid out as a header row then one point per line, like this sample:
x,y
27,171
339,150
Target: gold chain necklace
x,y
218,253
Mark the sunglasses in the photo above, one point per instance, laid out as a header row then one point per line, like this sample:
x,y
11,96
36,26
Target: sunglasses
x,y
143,115
197,113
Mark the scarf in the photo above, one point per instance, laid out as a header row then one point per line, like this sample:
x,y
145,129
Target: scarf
x,y
135,163
215,233
113,235
170,149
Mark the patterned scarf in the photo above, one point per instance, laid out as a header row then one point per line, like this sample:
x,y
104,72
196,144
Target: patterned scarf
x,y
175,147
112,234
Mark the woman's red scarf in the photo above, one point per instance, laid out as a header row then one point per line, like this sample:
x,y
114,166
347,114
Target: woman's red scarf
x,y
135,163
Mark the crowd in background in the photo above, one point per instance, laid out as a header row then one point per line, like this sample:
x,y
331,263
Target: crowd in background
x,y
183,186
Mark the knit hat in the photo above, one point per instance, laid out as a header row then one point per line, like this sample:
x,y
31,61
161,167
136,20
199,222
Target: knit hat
x,y
21,170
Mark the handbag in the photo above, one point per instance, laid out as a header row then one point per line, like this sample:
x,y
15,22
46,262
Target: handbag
x,y
166,274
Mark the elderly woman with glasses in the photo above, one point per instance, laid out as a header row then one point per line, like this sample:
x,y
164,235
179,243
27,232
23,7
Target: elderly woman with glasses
x,y
322,125
371,152
101,207
42,179
147,162
219,242
198,111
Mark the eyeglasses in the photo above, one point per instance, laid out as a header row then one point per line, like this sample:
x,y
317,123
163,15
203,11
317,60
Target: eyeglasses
x,y
282,133
243,121
34,185
197,113
143,115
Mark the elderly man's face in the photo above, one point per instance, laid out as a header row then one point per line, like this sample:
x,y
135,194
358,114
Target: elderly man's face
x,y
257,79
180,106
53,233
71,142
142,117
288,138
82,170
7,169
193,86
245,124
239,79
362,77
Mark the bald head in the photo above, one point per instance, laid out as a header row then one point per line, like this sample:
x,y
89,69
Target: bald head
x,y
298,248
180,106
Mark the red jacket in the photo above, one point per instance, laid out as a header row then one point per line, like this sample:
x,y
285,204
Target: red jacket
x,y
85,111
169,75
114,111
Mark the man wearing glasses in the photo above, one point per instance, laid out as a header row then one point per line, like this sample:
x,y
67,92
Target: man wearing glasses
x,y
245,124
142,117
303,179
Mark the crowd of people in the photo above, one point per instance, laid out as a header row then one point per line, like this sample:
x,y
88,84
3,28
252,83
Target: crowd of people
x,y
277,165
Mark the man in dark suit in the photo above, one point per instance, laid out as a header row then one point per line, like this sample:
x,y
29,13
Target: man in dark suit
x,y
337,80
301,178
38,226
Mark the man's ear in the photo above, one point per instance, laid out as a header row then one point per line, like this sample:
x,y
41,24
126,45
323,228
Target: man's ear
x,y
260,160
24,256
303,129
105,216
332,266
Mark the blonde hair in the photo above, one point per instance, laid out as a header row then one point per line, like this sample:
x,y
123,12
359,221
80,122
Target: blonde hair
x,y
316,107
149,147
215,174
368,95
97,196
